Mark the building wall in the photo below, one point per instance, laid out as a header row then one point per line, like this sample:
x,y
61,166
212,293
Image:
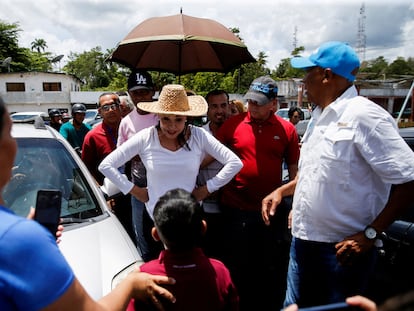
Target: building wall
x,y
34,98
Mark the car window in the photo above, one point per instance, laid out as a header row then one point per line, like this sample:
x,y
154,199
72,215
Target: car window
x,y
91,114
283,113
43,163
27,117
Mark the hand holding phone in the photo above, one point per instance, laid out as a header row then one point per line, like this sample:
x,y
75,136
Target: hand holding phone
x,y
48,208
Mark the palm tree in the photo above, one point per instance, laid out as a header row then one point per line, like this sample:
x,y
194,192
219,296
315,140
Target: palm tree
x,y
38,45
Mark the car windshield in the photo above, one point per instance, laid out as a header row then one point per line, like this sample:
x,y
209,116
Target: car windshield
x,y
23,117
90,114
43,163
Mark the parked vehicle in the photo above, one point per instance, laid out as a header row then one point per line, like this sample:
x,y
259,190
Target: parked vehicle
x,y
28,116
92,117
94,242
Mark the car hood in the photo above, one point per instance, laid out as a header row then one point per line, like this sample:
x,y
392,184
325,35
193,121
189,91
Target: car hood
x,y
97,252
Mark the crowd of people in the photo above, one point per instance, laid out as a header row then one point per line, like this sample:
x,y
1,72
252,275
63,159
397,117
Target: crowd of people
x,y
205,204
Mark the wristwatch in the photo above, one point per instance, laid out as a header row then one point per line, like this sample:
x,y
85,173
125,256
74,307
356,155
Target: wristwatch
x,y
370,233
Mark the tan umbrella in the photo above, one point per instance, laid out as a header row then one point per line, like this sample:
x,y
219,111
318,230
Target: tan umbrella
x,y
181,44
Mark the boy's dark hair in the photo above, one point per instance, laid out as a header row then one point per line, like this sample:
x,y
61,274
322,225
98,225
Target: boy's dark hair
x,y
178,219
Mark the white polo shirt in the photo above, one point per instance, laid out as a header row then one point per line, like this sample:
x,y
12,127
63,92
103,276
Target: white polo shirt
x,y
351,155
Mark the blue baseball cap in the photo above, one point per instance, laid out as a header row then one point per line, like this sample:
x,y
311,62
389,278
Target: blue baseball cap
x,y
262,90
338,56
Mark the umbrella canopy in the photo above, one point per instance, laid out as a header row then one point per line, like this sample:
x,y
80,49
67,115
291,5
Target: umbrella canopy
x,y
181,44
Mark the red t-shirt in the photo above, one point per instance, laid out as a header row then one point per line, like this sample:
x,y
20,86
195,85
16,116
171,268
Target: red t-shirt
x,y
262,148
98,143
202,284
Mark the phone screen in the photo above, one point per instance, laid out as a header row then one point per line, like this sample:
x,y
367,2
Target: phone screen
x,y
48,206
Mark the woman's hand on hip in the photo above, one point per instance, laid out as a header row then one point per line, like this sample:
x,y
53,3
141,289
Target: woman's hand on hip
x,y
140,193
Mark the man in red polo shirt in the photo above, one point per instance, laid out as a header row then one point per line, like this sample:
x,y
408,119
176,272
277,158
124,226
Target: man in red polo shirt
x,y
257,258
101,141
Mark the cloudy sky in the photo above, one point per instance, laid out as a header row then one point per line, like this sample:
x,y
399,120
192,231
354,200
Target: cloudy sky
x,y
265,25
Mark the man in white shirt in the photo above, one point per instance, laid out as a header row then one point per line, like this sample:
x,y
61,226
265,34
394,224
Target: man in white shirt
x,y
356,175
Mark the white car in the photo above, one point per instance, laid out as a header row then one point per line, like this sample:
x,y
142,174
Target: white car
x,y
28,116
92,117
94,242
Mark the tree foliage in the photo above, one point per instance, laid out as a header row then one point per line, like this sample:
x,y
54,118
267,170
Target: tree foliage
x,y
93,70
9,47
400,67
23,59
284,70
38,45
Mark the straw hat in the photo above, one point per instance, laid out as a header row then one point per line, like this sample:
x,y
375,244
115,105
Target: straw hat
x,y
174,100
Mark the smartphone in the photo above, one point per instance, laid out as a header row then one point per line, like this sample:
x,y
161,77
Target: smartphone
x,y
48,207
333,306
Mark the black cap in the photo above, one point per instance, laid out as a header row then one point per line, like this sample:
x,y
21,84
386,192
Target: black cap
x,y
140,80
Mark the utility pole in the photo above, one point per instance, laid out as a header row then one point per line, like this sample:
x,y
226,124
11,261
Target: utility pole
x,y
295,39
362,38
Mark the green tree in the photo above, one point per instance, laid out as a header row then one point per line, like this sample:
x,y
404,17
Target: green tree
x,y
39,45
9,47
284,70
374,69
23,59
410,63
399,67
93,70
248,72
38,61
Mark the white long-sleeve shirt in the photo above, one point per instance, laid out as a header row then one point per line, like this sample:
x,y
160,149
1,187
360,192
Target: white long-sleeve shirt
x,y
168,169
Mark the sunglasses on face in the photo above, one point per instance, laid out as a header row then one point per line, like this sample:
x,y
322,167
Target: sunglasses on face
x,y
113,106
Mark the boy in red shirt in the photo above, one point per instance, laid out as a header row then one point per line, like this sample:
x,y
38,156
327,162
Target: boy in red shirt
x,y
201,283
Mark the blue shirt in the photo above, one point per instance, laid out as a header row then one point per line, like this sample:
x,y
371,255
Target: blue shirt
x,y
33,271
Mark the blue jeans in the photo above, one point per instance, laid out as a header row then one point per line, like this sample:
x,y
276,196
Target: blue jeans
x,y
138,209
315,277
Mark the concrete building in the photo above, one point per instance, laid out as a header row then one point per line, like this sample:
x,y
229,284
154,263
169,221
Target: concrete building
x,y
37,91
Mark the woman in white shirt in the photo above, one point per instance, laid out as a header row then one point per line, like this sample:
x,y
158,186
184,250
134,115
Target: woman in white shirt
x,y
171,151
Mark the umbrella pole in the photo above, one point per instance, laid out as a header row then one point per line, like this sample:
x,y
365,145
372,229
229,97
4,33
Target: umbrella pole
x,y
179,62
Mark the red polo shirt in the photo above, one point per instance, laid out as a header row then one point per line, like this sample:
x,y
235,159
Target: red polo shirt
x,y
202,284
98,143
262,148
